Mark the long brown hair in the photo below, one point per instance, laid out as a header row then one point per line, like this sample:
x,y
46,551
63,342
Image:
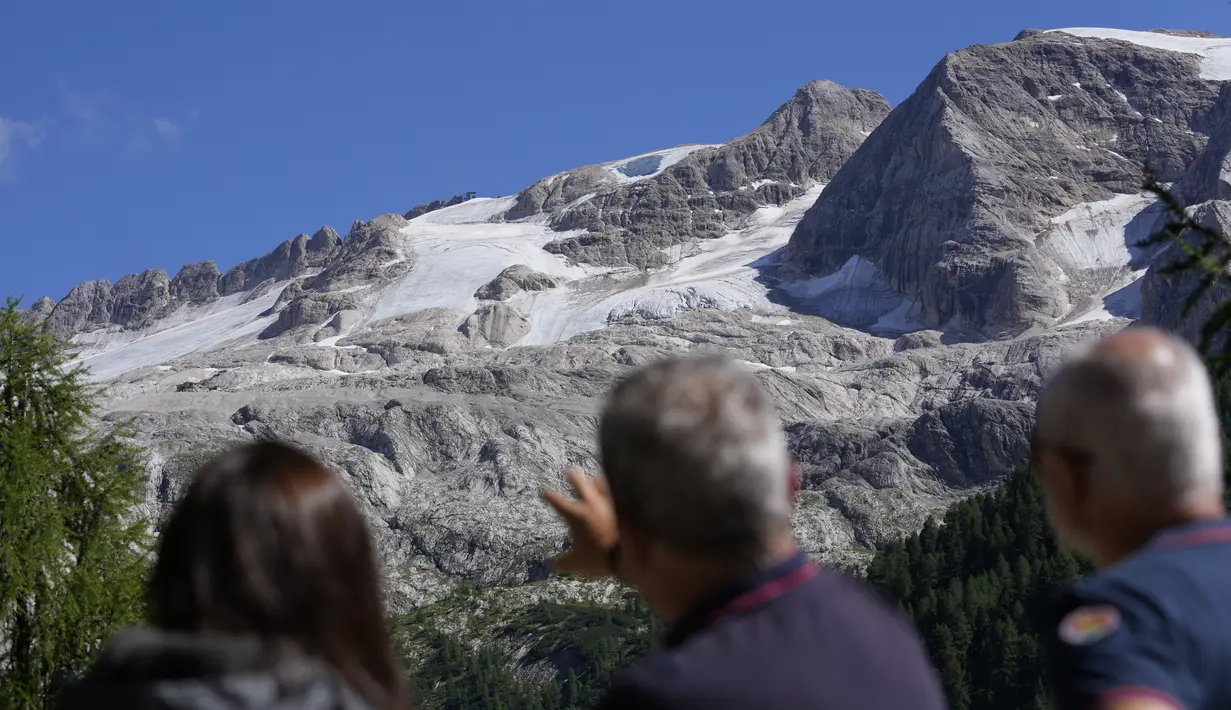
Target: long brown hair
x,y
269,542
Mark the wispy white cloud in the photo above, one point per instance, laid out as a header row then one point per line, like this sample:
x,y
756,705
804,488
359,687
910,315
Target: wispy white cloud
x,y
102,119
167,129
15,135
94,120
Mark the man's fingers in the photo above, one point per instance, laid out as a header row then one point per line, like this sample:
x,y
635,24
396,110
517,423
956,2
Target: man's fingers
x,y
567,507
600,485
589,488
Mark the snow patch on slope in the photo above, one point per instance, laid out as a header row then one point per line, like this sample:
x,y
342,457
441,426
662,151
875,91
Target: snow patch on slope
x,y
722,274
648,165
856,295
229,322
1124,302
458,251
1100,234
473,211
1096,244
1215,52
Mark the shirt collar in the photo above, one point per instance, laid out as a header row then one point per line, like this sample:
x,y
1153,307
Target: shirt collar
x,y
1202,532
775,580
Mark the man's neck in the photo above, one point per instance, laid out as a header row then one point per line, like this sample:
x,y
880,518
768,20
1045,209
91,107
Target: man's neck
x,y
699,580
1136,535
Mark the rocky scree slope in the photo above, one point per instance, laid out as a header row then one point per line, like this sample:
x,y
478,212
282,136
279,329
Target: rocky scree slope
x,y
451,365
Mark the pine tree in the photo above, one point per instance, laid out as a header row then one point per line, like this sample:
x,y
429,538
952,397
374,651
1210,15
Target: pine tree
x,y
73,554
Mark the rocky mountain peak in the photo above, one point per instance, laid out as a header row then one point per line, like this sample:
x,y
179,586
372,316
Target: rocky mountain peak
x,y
961,199
634,211
806,140
39,310
196,283
324,239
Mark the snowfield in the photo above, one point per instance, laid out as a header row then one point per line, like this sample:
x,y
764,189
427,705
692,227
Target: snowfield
x,y
231,324
1215,52
647,165
1096,243
457,250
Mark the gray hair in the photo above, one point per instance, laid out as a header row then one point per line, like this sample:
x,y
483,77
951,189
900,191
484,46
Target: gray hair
x,y
1147,417
694,454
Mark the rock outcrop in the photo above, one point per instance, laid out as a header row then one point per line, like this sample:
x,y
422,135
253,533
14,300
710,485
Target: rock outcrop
x,y
634,210
197,283
1206,188
39,310
88,305
513,281
952,195
293,257
141,299
496,324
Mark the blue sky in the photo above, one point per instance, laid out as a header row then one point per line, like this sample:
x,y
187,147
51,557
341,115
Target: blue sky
x,y
144,133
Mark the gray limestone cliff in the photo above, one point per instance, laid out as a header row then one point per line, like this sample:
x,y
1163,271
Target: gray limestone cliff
x,y
950,196
1206,188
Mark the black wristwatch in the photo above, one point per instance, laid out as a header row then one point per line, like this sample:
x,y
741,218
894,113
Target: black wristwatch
x,y
613,558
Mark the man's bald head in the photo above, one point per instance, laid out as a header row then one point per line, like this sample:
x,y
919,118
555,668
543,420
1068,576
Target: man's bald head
x,y
1141,404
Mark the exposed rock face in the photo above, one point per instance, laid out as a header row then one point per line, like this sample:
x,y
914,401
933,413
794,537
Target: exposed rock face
x,y
196,283
1206,187
420,210
497,324
514,280
1163,296
39,310
949,196
805,140
710,188
89,304
291,258
140,299
309,309
1209,176
372,252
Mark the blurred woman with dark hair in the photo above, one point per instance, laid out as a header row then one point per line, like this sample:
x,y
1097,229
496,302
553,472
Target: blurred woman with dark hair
x,y
265,594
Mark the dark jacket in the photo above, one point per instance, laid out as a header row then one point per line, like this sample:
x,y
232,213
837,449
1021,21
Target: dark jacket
x,y
792,636
146,669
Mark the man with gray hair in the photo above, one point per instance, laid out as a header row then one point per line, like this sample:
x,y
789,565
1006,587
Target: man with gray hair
x,y
694,509
1128,449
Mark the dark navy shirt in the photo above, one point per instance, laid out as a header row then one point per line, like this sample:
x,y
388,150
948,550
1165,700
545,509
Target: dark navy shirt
x,y
792,636
1157,624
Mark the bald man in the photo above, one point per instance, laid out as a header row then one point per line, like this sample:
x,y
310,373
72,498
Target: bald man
x,y
1128,448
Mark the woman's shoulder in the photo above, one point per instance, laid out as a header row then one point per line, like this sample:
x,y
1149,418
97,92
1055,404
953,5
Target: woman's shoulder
x,y
144,667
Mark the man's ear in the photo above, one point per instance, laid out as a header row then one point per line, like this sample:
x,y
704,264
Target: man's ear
x,y
1077,479
634,545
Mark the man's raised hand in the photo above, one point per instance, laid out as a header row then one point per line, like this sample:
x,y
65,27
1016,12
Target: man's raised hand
x,y
590,517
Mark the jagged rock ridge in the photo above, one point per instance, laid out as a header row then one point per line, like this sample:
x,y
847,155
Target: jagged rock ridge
x,y
708,189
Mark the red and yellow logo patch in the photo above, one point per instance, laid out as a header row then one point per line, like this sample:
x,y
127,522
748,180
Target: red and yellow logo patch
x,y
1089,624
